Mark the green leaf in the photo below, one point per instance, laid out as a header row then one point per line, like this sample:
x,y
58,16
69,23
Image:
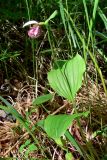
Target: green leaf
x,y
103,17
7,55
56,125
59,142
10,109
30,148
67,80
69,156
59,64
53,15
42,99
5,101
73,141
101,35
22,147
41,123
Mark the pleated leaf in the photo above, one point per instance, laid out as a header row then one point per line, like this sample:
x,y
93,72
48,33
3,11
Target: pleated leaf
x,y
67,80
56,125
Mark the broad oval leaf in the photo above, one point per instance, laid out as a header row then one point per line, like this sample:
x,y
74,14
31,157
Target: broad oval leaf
x,y
56,125
67,80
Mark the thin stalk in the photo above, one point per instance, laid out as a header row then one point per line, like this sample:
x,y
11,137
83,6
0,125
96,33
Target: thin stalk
x,y
33,58
35,66
86,12
28,10
92,20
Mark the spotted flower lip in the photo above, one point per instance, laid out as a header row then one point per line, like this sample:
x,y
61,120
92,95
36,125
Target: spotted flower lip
x,y
30,23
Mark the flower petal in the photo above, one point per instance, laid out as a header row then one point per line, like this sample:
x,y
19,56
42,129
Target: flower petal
x,y
34,32
29,23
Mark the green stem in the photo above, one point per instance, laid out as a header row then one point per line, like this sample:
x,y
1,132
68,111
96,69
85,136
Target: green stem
x,y
28,10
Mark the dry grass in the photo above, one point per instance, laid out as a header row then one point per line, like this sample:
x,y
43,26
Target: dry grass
x,y
8,137
91,97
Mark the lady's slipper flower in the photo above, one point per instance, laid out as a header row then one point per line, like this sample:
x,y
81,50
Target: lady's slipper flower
x,y
34,31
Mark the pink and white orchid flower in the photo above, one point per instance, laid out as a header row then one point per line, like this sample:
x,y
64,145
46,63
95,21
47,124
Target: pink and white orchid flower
x,y
34,31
